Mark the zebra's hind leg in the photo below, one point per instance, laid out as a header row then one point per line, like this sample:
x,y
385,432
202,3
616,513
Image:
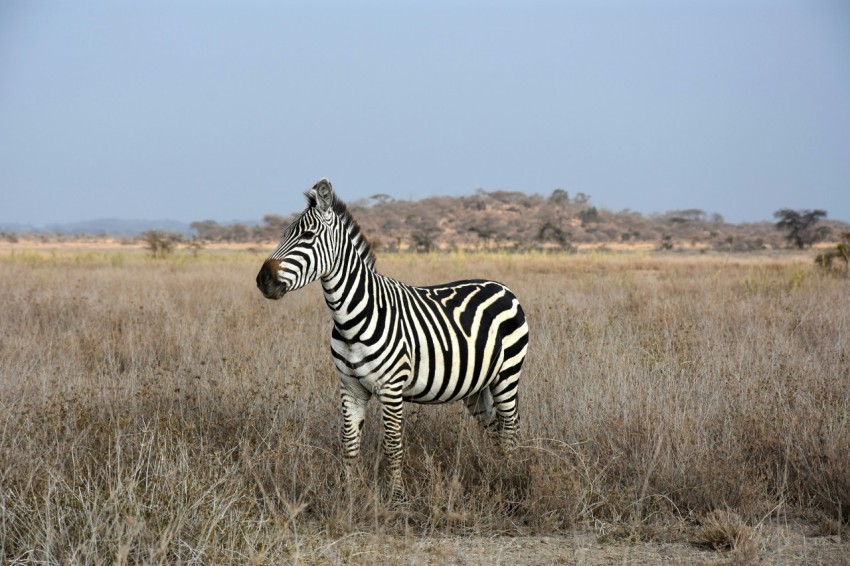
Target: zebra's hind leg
x,y
480,406
504,395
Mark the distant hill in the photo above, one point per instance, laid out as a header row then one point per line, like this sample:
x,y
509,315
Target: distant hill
x,y
512,220
108,226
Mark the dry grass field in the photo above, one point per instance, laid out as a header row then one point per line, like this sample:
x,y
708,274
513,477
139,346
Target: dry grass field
x,y
678,409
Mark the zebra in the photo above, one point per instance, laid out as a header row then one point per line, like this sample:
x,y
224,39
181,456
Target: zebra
x,y
465,340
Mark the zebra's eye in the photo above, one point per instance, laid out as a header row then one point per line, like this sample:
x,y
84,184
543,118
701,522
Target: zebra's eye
x,y
307,235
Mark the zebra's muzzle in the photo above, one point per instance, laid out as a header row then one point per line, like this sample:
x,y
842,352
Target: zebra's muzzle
x,y
267,280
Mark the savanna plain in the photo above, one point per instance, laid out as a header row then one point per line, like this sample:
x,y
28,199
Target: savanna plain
x,y
674,409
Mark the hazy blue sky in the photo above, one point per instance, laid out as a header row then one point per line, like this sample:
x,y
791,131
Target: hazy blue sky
x,y
230,110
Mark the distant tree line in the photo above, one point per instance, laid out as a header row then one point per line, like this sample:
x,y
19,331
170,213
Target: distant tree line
x,y
497,220
272,227
511,220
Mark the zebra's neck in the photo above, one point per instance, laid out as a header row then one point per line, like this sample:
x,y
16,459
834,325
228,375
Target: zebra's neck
x,y
349,287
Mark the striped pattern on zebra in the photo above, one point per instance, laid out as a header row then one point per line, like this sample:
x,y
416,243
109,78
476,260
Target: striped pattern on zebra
x,y
465,340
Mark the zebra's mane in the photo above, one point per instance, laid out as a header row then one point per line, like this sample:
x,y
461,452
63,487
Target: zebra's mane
x,y
361,244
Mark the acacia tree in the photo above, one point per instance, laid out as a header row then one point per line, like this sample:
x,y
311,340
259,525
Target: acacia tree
x,y
424,233
161,244
206,229
800,226
560,197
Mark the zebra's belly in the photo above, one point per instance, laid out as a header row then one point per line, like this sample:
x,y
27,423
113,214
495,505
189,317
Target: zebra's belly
x,y
451,377
421,381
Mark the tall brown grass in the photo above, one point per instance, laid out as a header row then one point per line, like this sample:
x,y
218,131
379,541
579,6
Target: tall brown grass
x,y
163,411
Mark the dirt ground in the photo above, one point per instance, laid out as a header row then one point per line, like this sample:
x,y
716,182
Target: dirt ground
x,y
788,544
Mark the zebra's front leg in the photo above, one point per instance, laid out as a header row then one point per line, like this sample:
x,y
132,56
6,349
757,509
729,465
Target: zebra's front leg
x,y
354,399
391,402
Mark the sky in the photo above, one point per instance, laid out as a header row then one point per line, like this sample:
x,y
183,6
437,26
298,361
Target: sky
x,y
194,110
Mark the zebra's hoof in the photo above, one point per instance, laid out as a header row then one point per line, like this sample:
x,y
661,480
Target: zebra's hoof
x,y
398,499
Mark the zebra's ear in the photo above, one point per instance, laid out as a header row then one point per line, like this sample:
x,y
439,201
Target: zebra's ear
x,y
324,194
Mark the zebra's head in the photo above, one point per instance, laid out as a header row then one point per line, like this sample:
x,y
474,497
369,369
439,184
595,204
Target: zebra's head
x,y
308,247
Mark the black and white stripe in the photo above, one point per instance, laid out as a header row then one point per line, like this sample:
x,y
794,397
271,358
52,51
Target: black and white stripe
x,y
465,340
